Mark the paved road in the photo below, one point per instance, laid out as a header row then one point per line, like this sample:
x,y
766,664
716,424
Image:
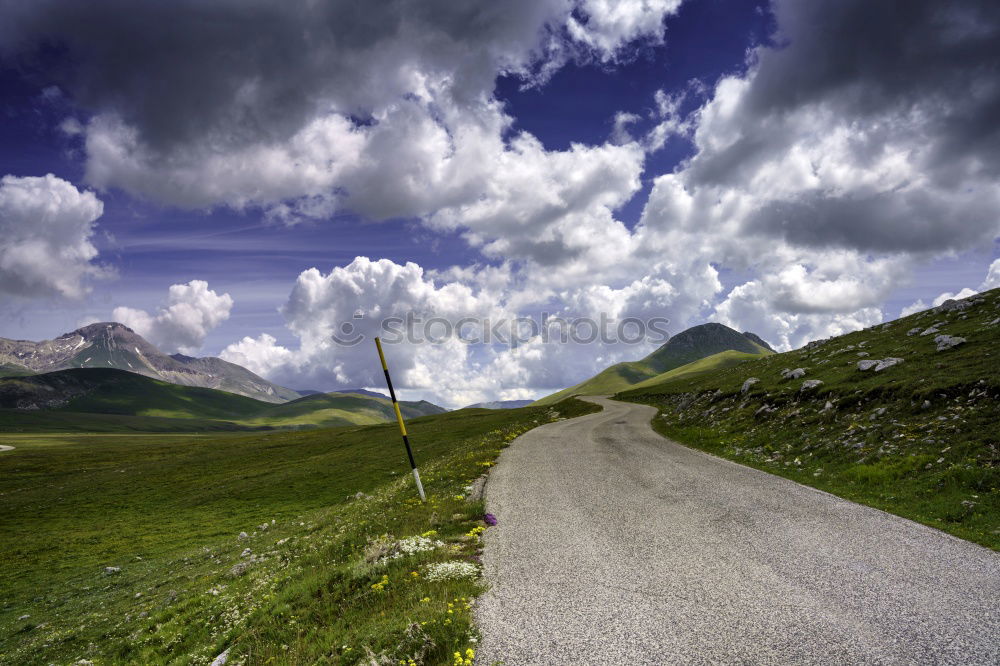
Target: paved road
x,y
615,546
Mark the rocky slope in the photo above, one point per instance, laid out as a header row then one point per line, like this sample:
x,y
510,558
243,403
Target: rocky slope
x,y
113,345
902,415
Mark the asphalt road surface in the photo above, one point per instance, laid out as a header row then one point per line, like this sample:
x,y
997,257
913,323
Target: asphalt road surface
x,y
616,546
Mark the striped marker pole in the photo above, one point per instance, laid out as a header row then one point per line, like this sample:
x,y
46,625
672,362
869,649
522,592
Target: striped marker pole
x,y
399,417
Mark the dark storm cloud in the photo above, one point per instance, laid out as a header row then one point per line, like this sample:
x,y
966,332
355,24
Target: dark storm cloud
x,y
240,72
862,59
914,86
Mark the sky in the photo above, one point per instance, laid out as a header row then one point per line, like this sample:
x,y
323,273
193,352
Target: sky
x,y
244,179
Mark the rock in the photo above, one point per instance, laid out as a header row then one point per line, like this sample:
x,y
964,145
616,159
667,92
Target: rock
x,y
867,364
793,374
246,552
23,618
239,569
877,413
810,384
948,341
931,330
887,363
112,570
243,535
926,404
263,527
748,383
913,331
951,305
863,354
827,407
222,659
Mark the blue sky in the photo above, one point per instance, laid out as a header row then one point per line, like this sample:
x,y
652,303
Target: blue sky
x,y
211,166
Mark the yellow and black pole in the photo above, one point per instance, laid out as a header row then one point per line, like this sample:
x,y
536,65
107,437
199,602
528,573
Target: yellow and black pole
x,y
399,417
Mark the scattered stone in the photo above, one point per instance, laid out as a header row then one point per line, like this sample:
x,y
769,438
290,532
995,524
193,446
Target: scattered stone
x,y
913,331
877,413
23,618
263,527
112,570
827,407
810,384
887,363
926,404
948,341
239,569
360,495
797,373
246,552
867,364
863,354
748,383
931,330
243,535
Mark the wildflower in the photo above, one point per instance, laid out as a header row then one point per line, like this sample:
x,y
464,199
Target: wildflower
x,y
490,519
425,600
379,586
455,570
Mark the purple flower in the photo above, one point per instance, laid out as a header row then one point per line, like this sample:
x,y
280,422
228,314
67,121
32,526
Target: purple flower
x,y
490,519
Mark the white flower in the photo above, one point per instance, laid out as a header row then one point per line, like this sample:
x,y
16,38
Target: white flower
x,y
455,570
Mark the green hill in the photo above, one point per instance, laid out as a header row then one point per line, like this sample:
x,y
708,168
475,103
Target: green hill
x,y
101,400
686,347
711,363
901,416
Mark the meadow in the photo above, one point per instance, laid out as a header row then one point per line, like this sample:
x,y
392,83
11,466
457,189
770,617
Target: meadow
x,y
281,547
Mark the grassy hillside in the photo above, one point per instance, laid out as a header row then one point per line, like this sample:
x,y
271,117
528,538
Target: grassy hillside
x,y
281,546
103,398
918,438
691,345
711,363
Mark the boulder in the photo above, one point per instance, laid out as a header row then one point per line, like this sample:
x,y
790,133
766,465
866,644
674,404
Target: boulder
x,y
948,341
887,363
797,373
748,383
810,384
867,364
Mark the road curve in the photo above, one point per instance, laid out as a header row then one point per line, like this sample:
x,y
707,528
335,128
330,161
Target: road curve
x,y
616,546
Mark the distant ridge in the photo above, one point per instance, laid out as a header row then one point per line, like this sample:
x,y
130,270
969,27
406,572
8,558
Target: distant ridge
x,y
114,345
500,404
688,346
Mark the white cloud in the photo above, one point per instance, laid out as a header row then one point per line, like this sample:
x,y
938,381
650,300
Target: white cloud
x,y
46,238
192,310
992,280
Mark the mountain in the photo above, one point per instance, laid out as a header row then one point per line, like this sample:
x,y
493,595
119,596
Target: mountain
x,y
72,398
686,347
113,345
500,404
372,394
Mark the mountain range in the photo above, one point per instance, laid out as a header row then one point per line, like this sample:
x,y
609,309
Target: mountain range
x,y
114,345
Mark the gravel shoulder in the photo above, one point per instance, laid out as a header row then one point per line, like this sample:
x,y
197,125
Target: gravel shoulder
x,y
615,545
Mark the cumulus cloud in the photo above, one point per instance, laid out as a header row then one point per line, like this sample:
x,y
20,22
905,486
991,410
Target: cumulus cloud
x,y
191,312
351,303
46,238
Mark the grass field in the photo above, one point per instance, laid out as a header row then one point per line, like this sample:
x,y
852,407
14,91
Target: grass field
x,y
918,439
319,583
